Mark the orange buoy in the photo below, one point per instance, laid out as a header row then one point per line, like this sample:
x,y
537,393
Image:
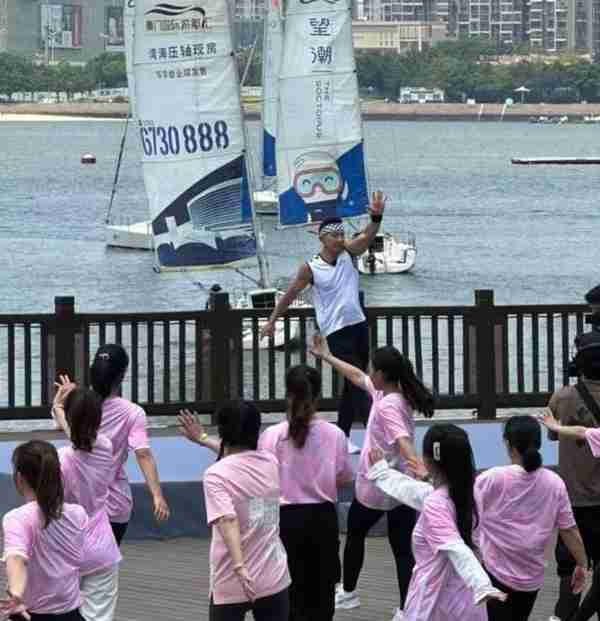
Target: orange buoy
x,y
88,158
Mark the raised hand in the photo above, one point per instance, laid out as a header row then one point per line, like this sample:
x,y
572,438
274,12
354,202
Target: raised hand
x,y
546,417
268,329
63,387
378,202
191,427
319,347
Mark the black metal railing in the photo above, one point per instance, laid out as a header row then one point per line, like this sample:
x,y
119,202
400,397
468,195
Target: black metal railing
x,y
481,356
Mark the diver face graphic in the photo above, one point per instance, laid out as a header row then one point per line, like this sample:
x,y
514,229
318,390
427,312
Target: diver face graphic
x,y
318,184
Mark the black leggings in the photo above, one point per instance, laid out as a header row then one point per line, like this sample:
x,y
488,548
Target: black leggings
x,y
517,607
72,615
310,535
351,344
272,608
118,529
401,522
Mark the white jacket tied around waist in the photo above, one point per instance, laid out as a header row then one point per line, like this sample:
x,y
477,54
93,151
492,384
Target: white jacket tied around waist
x,y
335,293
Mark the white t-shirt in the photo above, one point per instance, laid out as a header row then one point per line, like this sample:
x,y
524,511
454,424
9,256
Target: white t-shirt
x,y
335,293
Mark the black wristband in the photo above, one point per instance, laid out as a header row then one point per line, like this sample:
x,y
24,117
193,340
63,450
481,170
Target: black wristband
x,y
376,218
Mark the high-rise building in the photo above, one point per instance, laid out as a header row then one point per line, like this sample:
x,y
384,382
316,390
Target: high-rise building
x,y
55,30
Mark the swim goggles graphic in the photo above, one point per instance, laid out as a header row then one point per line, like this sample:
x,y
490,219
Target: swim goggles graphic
x,y
308,182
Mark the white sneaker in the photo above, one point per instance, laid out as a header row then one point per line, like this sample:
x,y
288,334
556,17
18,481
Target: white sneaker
x,y
352,448
398,615
346,601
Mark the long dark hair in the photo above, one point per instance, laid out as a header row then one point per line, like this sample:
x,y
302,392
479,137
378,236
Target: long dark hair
x,y
37,462
108,369
449,448
83,410
524,434
238,425
398,369
303,387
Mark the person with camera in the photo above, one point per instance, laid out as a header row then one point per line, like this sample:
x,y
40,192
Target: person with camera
x,y
571,408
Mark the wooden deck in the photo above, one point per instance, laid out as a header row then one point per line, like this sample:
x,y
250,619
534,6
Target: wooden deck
x,y
169,580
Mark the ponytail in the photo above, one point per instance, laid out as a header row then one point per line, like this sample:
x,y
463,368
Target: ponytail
x,y
524,435
303,387
37,462
398,369
108,369
83,410
448,447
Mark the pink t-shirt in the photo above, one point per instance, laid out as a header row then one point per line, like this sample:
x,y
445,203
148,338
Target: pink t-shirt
x,y
436,591
124,424
519,512
86,478
592,436
313,473
54,555
246,485
391,418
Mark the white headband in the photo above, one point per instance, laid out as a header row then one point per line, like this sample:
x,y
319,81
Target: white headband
x,y
332,227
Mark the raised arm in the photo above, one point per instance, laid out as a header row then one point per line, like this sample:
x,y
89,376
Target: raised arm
x,y
194,431
364,239
320,349
64,386
302,280
562,431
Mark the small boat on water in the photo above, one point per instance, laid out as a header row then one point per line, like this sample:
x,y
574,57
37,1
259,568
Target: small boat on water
x,y
389,255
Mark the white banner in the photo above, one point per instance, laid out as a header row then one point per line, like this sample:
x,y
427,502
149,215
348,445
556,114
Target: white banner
x,y
320,158
192,134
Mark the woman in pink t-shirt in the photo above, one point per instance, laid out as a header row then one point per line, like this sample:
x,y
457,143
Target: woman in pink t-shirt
x,y
313,462
124,424
44,540
248,564
396,392
88,469
448,581
522,506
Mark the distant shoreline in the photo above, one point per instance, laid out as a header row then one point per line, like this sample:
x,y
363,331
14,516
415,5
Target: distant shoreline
x,y
372,111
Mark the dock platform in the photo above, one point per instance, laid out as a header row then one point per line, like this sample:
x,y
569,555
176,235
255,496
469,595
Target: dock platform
x,y
565,161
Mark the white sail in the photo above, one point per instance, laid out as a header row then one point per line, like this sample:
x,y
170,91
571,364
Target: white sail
x,y
272,56
320,155
192,134
129,34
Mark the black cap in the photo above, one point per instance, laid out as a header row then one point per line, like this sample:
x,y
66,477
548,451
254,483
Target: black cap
x,y
215,288
593,295
329,221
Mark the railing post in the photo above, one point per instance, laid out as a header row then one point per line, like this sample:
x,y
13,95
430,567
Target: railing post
x,y
64,332
485,353
220,372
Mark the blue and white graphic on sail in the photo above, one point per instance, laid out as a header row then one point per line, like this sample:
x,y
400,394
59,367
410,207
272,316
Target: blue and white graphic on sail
x,y
320,152
192,134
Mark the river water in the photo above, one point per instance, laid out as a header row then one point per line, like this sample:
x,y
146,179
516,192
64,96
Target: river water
x,y
529,233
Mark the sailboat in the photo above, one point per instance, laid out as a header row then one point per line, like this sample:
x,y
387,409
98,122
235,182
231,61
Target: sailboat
x,y
320,155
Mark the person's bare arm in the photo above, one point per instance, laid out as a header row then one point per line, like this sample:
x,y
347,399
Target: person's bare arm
x,y
302,280
562,431
353,374
147,465
572,539
361,242
229,528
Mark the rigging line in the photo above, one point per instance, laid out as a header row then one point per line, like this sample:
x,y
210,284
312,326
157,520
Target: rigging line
x,y
237,270
117,170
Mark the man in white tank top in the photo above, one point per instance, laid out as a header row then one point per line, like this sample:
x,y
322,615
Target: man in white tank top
x,y
334,279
